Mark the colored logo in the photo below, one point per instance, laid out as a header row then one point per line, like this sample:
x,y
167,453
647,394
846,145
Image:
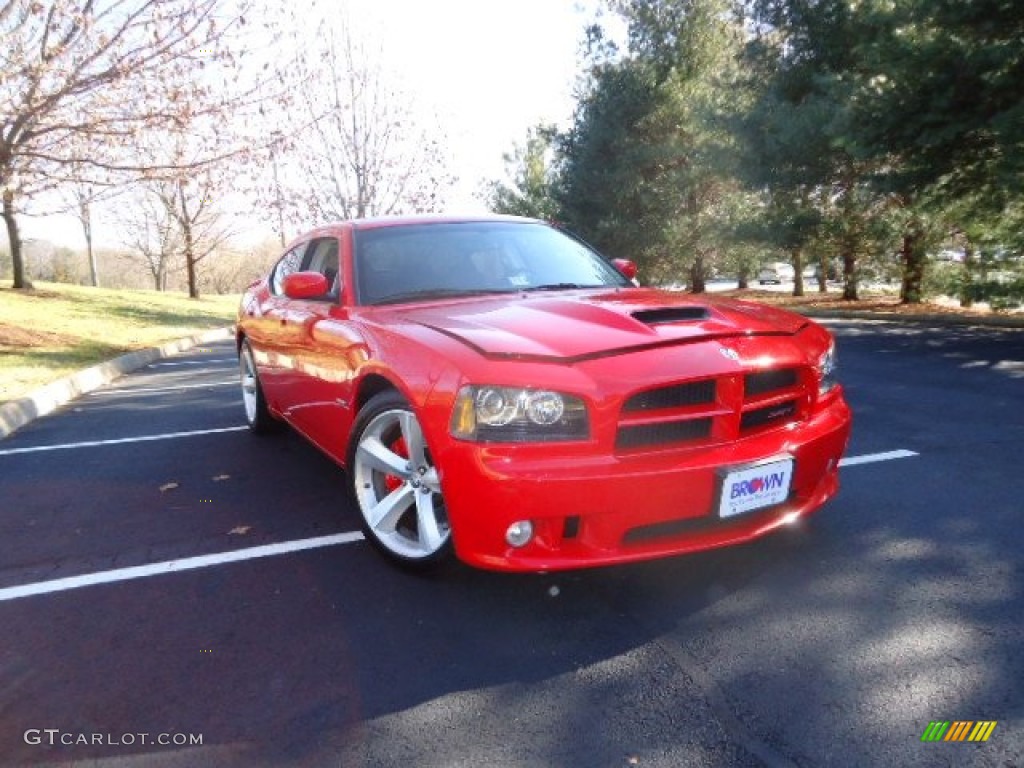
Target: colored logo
x,y
757,484
959,730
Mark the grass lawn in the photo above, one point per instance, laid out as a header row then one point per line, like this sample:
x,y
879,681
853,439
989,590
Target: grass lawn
x,y
59,329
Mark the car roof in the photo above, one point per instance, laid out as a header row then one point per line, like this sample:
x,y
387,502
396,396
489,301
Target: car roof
x,y
431,218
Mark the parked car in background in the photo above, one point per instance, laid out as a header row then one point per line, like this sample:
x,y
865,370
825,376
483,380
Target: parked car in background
x,y
498,391
776,273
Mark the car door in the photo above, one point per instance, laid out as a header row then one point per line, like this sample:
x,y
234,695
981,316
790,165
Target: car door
x,y
271,335
324,355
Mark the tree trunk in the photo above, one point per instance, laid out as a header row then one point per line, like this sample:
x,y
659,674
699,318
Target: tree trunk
x,y
190,250
94,272
797,258
849,273
85,214
14,238
697,284
159,273
913,266
190,268
742,278
967,277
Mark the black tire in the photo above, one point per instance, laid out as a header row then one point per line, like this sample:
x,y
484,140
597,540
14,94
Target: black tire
x,y
396,486
257,415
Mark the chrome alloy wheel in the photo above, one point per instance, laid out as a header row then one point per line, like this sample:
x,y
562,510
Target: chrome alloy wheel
x,y
250,387
257,415
398,488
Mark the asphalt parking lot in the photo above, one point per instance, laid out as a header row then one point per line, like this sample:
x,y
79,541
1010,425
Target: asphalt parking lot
x,y
165,575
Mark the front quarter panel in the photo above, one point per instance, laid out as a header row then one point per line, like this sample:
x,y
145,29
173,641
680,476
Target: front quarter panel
x,y
424,366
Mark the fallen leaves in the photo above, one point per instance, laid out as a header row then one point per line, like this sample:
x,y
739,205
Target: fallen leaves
x,y
170,486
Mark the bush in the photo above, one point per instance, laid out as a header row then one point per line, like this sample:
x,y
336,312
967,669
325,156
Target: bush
x,y
1001,296
942,279
1002,290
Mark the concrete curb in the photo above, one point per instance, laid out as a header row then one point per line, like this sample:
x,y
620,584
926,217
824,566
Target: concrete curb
x,y
17,413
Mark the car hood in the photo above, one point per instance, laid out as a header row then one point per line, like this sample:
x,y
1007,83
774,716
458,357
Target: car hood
x,y
582,325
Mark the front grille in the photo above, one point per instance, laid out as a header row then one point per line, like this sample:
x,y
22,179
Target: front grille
x,y
768,415
644,435
768,381
729,407
693,393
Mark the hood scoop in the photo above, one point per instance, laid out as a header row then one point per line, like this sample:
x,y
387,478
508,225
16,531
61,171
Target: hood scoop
x,y
670,315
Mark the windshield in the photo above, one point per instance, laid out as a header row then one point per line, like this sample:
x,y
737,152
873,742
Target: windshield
x,y
422,261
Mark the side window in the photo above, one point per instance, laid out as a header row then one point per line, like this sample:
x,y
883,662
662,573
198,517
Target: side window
x,y
289,263
323,258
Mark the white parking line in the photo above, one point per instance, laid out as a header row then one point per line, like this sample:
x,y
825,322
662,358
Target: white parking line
x,y
195,362
119,441
233,556
174,566
871,458
132,391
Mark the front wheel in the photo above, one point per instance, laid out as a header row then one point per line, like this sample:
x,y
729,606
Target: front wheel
x,y
257,415
396,485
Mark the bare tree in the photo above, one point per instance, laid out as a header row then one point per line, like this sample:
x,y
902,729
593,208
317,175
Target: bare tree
x,y
81,79
200,227
175,222
80,198
354,146
149,230
233,269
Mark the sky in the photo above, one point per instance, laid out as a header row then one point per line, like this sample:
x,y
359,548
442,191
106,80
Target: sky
x,y
487,69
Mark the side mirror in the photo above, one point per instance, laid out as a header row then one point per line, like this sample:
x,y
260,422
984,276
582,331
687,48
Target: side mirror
x,y
305,285
626,267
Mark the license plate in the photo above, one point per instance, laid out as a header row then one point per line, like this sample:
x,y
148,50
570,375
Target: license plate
x,y
755,487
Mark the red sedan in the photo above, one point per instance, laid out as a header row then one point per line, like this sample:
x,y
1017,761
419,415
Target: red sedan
x,y
496,389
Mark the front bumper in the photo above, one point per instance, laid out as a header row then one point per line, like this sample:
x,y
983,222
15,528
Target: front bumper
x,y
603,510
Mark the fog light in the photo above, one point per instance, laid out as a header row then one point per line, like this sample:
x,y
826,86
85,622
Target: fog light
x,y
519,533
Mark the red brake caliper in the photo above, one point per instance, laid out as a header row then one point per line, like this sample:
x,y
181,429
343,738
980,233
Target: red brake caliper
x,y
393,482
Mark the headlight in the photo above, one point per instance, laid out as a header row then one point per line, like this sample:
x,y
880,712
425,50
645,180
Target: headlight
x,y
516,415
827,371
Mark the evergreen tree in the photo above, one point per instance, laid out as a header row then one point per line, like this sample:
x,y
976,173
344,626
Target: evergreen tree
x,y
530,170
644,169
